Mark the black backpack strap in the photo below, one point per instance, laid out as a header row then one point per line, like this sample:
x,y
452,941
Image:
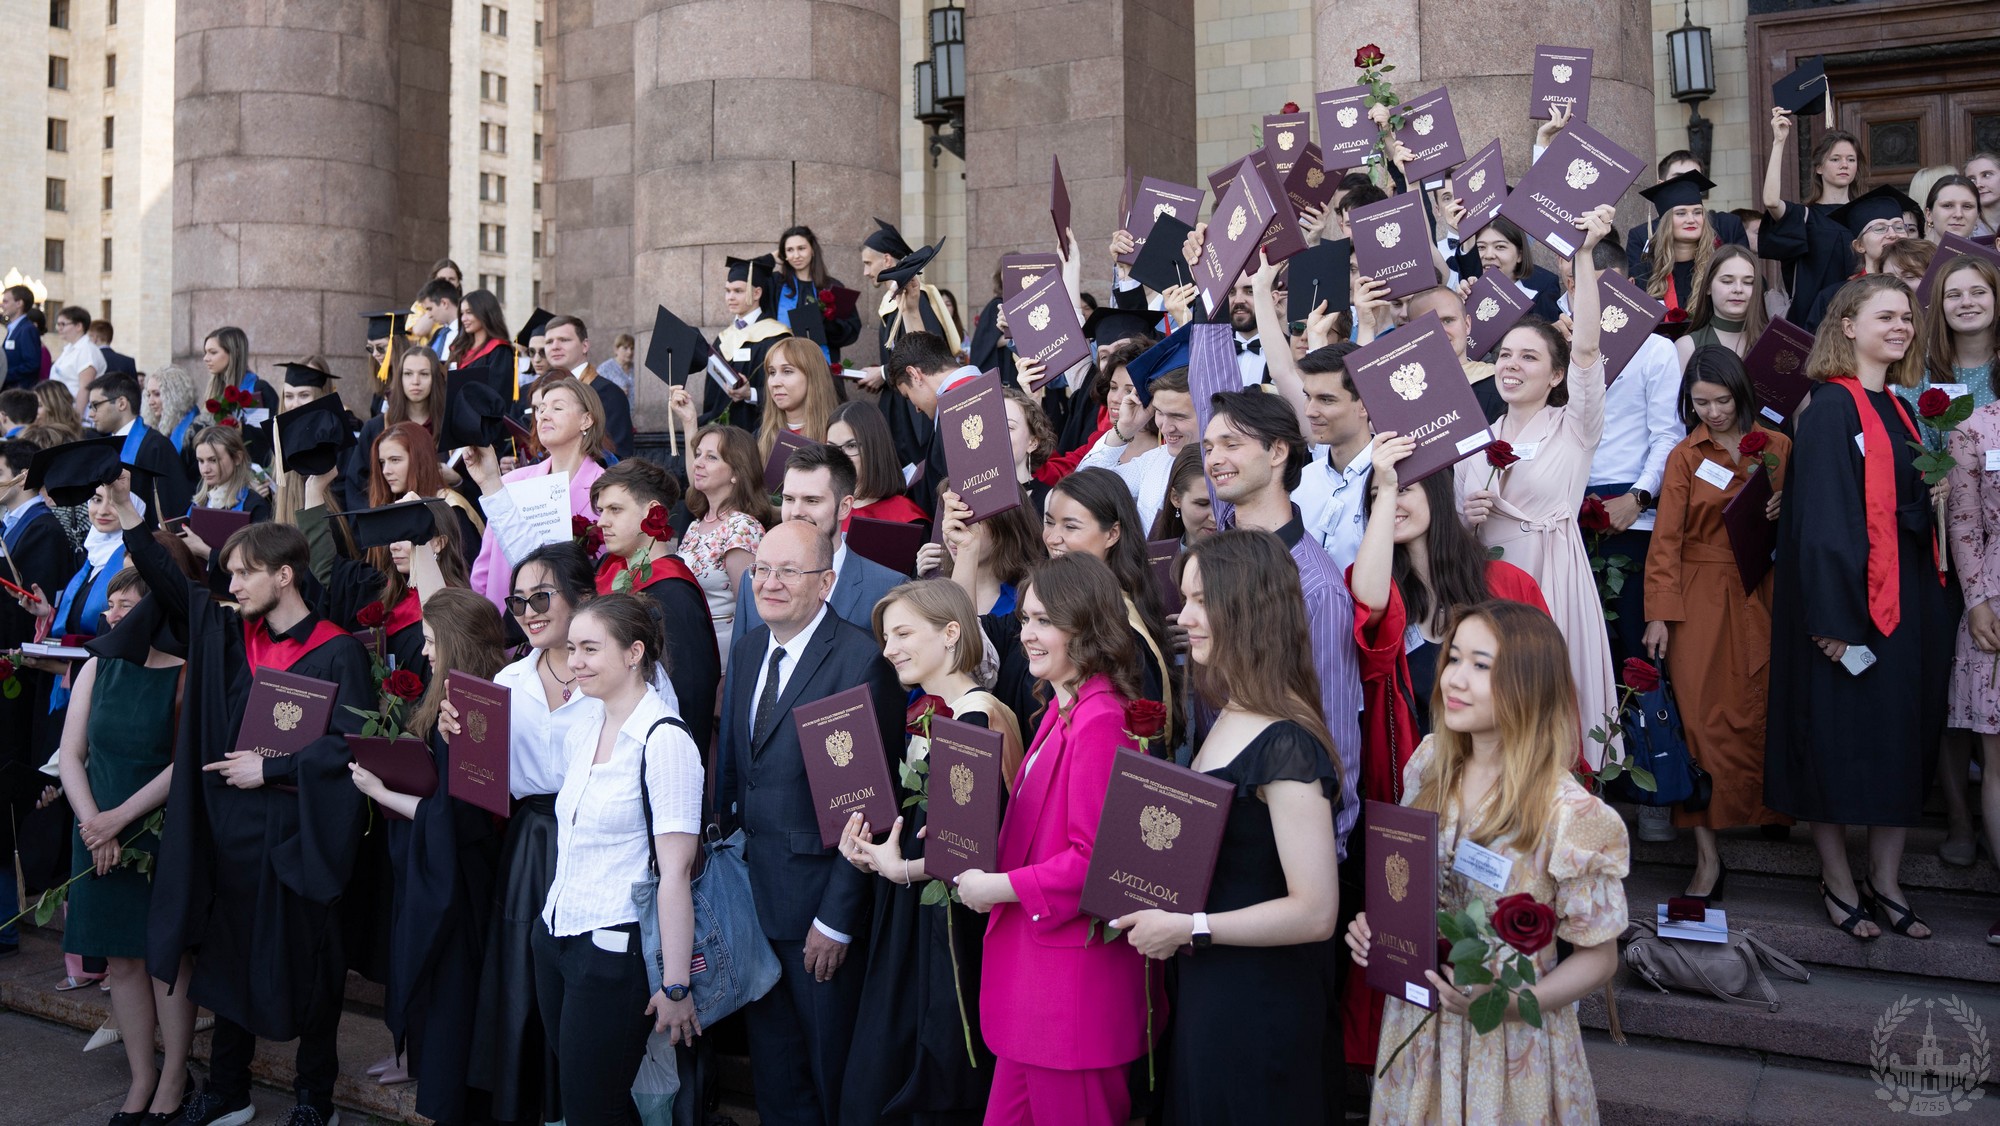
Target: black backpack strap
x,y
645,792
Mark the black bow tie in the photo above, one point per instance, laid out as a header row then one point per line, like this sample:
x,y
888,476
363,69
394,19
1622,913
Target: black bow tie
x,y
1256,346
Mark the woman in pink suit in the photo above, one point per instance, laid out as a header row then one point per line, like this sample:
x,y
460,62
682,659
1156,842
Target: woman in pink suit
x,y
569,424
1061,1006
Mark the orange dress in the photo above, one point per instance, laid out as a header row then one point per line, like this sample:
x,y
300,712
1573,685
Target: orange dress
x,y
1719,636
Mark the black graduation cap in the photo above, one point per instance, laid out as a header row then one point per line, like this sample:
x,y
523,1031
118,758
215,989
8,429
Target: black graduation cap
x,y
1161,358
1683,190
757,271
303,375
1884,202
886,239
72,471
1107,325
1316,274
413,521
381,326
473,411
1804,90
676,351
314,435
146,627
1159,265
533,328
911,264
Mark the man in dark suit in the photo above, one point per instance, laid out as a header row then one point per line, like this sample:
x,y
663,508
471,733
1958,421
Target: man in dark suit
x,y
813,906
114,412
114,362
567,340
819,490
24,341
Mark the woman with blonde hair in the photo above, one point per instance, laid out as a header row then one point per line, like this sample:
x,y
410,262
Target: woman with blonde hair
x,y
1861,620
1685,243
58,410
799,393
569,423
170,406
1728,308
1497,773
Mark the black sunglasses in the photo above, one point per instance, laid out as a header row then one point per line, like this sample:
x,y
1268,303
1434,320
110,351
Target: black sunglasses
x,y
538,602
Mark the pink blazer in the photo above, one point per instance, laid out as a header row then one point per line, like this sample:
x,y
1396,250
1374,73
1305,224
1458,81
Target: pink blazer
x,y
493,569
1050,995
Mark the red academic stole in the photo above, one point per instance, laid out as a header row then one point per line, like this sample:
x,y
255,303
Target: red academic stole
x,y
1878,478
667,566
408,612
267,653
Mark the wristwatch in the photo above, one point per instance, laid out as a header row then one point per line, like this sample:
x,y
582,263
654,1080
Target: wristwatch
x,y
1202,939
676,992
1646,500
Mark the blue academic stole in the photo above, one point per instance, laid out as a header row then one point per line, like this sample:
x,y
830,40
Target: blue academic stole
x,y
21,522
789,297
181,430
134,438
250,382
96,599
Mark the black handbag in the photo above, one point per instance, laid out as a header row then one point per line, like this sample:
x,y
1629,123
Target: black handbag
x,y
1656,742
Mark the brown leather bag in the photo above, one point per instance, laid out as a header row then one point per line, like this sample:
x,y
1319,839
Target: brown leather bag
x,y
1732,971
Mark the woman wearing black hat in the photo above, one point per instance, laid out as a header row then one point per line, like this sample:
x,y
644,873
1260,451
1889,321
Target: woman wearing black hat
x,y
1686,241
907,306
1875,221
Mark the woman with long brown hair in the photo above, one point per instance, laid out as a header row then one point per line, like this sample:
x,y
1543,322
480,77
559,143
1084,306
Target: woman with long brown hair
x,y
731,512
799,393
1814,249
403,465
1091,511
1684,243
226,354
58,409
1249,1041
417,396
1858,577
1497,774
802,276
1728,307
483,347
445,853
858,430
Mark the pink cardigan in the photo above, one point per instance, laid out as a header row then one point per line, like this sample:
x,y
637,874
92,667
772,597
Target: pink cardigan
x,y
1050,995
493,571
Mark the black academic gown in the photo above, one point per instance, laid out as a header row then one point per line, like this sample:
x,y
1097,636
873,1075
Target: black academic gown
x,y
746,414
446,861
1816,252
1073,412
44,556
617,415
360,467
249,880
496,369
987,350
909,428
1845,749
170,489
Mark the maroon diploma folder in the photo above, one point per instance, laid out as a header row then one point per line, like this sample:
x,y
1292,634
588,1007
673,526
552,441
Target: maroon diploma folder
x,y
1154,199
1494,305
285,712
1392,244
1042,318
1157,840
972,426
1430,131
1480,186
846,766
1346,135
1581,169
1777,367
1286,136
403,765
1019,271
781,451
1059,202
1626,316
1160,556
216,525
1753,537
1950,247
1236,227
966,783
1401,898
891,543
1562,78
1283,238
479,762
1412,383
1309,184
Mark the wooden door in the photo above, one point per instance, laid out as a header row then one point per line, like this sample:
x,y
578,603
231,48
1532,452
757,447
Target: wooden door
x,y
1914,113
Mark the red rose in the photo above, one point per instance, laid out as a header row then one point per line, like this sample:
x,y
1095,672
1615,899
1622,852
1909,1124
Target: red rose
x,y
1145,719
1524,923
1368,56
372,615
1500,455
1444,953
579,527
403,684
1753,443
593,540
655,524
928,707
1933,403
1640,676
212,406
835,368
1290,107
225,422
6,669
1592,517
1676,316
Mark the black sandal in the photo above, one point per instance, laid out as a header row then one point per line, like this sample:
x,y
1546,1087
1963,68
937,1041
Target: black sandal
x,y
1890,909
1854,919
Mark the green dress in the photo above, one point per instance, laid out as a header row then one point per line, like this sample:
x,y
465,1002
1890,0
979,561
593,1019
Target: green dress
x,y
131,733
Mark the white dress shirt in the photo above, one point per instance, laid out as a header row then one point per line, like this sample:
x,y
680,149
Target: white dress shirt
x,y
601,841
1642,423
536,758
1147,475
1333,501
77,355
1250,365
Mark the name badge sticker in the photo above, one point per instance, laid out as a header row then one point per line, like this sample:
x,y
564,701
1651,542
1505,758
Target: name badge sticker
x,y
1476,862
1952,389
1473,441
1715,474
1860,445
1527,451
1992,461
1776,418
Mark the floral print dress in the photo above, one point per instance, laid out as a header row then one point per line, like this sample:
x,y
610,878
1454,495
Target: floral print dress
x,y
703,549
1516,1073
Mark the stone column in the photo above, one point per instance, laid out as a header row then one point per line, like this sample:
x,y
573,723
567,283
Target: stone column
x,y
1485,53
1099,84
286,144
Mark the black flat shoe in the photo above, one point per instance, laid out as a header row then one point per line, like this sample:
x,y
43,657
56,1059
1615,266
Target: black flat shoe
x,y
1896,916
1854,917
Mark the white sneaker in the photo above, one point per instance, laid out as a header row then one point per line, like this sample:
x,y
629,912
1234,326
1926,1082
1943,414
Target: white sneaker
x,y
1656,823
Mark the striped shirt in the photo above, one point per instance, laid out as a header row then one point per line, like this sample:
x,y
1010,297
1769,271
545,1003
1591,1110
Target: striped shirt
x,y
1330,625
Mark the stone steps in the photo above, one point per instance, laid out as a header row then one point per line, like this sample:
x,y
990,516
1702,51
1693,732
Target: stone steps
x,y
1744,849
1661,1083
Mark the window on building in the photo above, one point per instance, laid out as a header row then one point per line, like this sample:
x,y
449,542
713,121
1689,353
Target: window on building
x,y
107,256
538,242
538,33
538,97
110,17
485,85
500,88
58,73
492,187
495,284
538,146
52,255
58,194
58,135
106,303
538,291
110,71
500,23
110,131
59,14
107,193
538,195
493,238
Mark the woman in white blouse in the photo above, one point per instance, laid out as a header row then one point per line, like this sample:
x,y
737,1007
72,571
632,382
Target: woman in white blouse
x,y
590,975
81,362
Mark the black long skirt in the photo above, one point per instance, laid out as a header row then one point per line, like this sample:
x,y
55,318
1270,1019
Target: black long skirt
x,y
511,1059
